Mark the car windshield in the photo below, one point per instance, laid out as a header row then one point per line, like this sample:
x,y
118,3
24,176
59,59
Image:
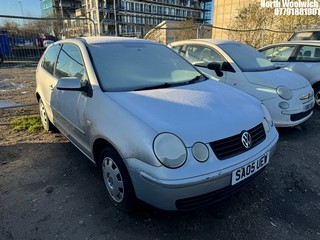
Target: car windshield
x,y
247,58
127,66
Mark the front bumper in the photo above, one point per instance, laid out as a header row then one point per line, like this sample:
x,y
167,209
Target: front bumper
x,y
187,193
299,109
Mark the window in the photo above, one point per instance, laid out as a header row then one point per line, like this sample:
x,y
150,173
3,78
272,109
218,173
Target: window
x,y
201,55
176,49
279,54
145,64
309,54
70,63
50,58
247,58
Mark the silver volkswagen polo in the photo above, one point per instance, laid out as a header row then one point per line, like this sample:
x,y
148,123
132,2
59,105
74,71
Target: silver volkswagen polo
x,y
152,123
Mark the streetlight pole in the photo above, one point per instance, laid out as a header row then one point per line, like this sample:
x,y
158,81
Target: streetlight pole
x,y
21,8
61,9
115,18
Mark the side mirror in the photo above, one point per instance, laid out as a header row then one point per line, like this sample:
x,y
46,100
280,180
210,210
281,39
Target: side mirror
x,y
216,67
69,84
74,84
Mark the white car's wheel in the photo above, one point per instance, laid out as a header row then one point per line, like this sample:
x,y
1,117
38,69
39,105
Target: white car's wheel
x,y
317,96
47,125
117,180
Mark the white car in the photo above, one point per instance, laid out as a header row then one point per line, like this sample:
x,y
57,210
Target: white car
x,y
158,130
287,95
302,57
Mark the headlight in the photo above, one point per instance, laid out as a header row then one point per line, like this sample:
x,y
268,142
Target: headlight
x,y
284,92
170,150
267,121
200,152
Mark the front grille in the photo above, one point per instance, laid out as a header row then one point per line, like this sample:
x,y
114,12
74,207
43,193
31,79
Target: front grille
x,y
232,146
212,197
298,116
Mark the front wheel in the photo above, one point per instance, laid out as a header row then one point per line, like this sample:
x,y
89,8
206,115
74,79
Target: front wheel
x,y
46,123
317,96
117,180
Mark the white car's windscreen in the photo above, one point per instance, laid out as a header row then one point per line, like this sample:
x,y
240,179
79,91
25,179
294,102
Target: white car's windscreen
x,y
130,66
247,58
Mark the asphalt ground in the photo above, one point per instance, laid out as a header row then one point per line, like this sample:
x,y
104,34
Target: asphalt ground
x,y
49,190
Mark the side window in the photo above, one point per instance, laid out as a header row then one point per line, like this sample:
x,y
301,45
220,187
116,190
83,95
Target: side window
x,y
279,54
50,58
201,55
70,63
193,53
309,54
176,49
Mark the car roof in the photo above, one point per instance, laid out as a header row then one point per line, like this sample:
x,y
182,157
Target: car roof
x,y
206,40
296,42
104,39
307,30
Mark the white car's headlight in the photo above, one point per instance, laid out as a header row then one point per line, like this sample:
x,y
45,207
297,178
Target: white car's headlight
x,y
170,150
200,152
284,92
267,120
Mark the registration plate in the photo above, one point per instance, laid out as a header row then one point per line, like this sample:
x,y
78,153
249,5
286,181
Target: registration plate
x,y
246,171
308,106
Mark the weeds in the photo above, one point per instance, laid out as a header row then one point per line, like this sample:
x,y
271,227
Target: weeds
x,y
27,123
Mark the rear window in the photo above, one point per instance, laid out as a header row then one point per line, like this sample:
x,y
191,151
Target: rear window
x,y
312,35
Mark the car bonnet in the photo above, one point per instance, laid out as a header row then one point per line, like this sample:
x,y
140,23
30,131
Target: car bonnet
x,y
276,78
205,111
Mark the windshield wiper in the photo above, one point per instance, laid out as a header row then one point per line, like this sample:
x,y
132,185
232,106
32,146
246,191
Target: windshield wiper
x,y
198,78
163,85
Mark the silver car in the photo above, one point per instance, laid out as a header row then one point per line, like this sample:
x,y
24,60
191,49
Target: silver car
x,y
152,123
302,57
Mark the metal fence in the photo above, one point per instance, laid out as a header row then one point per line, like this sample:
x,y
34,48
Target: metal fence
x,y
24,39
255,37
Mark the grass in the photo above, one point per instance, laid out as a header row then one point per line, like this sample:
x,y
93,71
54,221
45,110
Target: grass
x,y
27,123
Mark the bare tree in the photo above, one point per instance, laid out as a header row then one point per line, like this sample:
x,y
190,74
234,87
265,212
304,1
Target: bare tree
x,y
265,26
188,29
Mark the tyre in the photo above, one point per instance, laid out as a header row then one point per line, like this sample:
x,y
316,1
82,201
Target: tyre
x,y
317,96
1,59
46,123
117,180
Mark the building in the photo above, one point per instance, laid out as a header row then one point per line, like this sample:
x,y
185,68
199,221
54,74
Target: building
x,y
165,32
224,13
59,8
137,17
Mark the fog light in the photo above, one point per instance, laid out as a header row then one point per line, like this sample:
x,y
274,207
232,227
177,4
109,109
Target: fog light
x,y
200,152
284,105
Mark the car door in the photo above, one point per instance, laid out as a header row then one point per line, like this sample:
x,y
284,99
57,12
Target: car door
x,y
71,105
48,80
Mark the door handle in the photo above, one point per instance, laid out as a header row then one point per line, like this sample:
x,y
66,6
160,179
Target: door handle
x,y
51,87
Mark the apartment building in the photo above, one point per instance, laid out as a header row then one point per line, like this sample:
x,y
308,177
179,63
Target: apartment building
x,y
59,8
137,17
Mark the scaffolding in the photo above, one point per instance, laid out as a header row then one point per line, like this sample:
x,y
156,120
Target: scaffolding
x,y
137,17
